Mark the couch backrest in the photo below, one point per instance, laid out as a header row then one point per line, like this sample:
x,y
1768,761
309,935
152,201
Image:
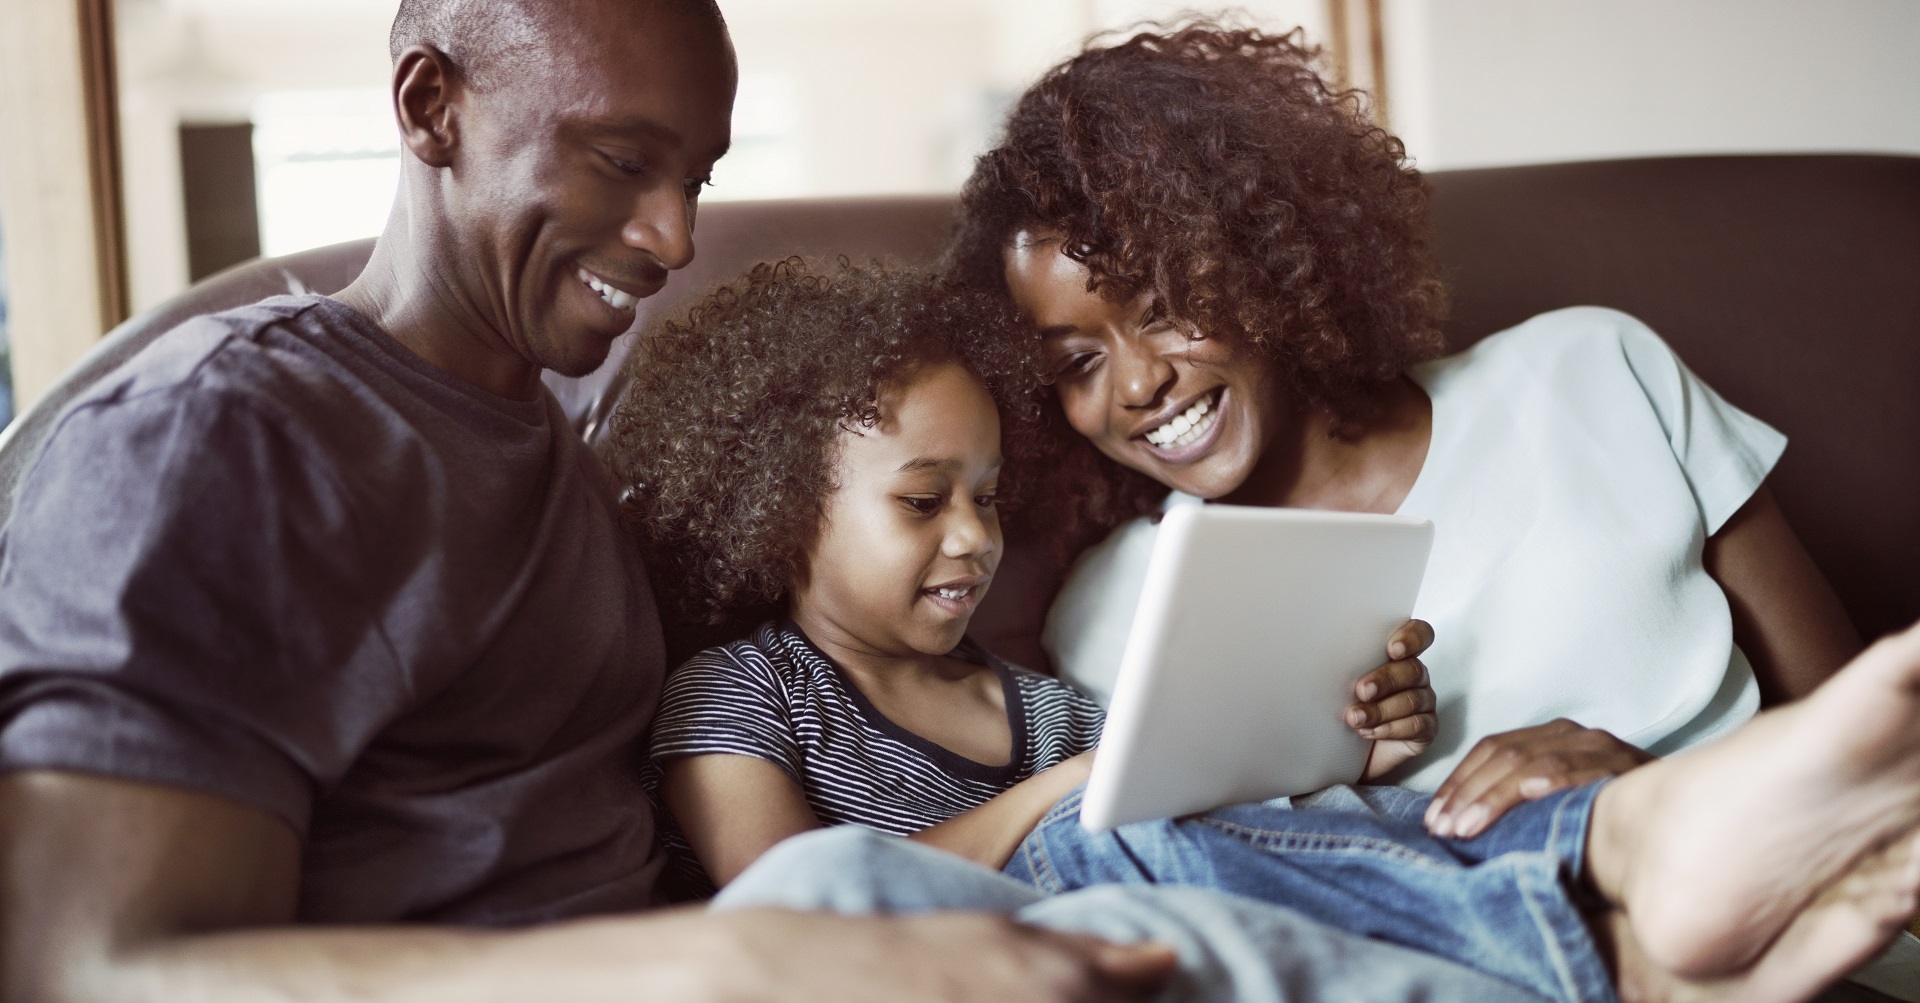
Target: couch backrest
x,y
1790,283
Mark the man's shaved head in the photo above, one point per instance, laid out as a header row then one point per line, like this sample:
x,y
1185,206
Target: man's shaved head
x,y
486,39
558,149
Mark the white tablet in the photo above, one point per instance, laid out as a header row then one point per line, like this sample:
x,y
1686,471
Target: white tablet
x,y
1253,626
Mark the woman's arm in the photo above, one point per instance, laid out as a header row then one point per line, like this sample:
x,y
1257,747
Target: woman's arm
x,y
734,808
1786,618
989,834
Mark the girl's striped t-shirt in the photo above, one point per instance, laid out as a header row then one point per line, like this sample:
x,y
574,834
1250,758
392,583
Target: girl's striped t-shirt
x,y
775,696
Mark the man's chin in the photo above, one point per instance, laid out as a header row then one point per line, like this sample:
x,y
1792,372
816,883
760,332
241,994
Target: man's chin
x,y
577,360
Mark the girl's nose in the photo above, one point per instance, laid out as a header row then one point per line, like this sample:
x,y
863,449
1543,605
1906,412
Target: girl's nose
x,y
969,534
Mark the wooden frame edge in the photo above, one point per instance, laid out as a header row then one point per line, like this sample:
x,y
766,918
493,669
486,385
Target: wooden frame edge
x,y
1360,59
100,84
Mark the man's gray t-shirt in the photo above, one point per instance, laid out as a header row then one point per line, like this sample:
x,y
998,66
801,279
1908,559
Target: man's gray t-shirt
x,y
279,558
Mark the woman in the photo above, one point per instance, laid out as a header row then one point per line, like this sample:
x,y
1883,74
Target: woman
x,y
1226,264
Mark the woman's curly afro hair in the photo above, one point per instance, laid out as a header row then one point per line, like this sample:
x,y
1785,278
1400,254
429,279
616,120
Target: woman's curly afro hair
x,y
1215,169
726,441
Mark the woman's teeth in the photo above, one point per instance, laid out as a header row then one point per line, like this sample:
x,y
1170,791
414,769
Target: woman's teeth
x,y
950,593
608,294
1186,426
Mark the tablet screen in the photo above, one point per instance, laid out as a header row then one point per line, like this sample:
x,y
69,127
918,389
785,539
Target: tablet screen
x,y
1252,627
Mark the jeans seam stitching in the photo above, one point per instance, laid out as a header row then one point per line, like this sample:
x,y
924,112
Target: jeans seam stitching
x,y
1571,983
1323,842
1038,860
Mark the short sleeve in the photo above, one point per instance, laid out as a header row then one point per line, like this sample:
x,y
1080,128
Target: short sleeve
x,y
178,605
1087,626
1061,721
727,701
1725,452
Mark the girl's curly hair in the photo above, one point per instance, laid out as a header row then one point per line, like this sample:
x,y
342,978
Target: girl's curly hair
x,y
1216,169
726,440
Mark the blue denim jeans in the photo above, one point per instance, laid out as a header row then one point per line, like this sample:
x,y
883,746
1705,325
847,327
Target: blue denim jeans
x,y
1360,860
1231,948
1338,896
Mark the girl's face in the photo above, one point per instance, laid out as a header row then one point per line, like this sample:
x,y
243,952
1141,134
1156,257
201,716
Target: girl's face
x,y
912,538
1191,413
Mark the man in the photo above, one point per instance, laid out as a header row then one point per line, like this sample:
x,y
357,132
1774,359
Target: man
x,y
315,621
317,613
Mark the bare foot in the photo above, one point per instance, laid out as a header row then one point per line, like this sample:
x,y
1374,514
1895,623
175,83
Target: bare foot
x,y
1841,930
1713,852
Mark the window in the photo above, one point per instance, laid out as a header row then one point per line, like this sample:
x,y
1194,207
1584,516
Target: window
x,y
767,159
327,164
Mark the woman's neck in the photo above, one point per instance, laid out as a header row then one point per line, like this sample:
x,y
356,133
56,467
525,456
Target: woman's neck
x,y
1318,462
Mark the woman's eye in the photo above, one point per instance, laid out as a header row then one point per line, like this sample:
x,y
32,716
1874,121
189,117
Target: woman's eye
x,y
1077,365
626,166
692,186
922,504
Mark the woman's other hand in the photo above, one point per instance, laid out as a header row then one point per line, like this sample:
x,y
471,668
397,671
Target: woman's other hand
x,y
1514,766
1394,704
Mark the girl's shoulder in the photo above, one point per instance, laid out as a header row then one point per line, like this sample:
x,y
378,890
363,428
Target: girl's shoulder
x,y
1039,692
771,656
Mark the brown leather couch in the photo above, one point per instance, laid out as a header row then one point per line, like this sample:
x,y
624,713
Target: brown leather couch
x,y
1790,283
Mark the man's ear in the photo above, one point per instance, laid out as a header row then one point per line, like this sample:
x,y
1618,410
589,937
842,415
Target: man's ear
x,y
425,90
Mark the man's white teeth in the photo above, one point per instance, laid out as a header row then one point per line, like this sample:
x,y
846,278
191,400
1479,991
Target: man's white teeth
x,y
1186,426
608,294
951,593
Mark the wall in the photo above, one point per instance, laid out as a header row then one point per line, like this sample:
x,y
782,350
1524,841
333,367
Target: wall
x,y
899,96
839,96
206,61
1489,82
874,96
60,275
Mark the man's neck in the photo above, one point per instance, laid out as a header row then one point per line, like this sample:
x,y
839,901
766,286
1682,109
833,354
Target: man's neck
x,y
407,290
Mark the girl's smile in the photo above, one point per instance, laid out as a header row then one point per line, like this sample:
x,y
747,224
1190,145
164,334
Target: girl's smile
x,y
911,537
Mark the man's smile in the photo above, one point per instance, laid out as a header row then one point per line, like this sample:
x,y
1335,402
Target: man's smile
x,y
612,294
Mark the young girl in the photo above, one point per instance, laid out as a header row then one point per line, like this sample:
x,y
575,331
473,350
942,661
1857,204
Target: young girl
x,y
832,440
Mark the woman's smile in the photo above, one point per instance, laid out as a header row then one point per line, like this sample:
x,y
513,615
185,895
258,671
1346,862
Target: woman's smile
x,y
1191,432
1186,410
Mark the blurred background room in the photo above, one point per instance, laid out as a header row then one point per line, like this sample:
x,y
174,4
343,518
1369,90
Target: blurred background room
x,y
220,130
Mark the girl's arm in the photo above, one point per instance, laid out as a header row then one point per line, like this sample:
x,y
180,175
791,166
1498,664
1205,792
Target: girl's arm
x,y
989,834
734,808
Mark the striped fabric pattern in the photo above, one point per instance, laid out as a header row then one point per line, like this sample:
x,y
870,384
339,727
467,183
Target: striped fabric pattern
x,y
774,696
